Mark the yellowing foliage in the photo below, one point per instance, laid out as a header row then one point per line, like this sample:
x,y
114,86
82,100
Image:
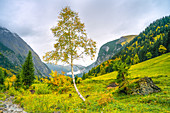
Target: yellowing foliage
x,y
9,81
162,49
13,78
157,28
105,99
58,80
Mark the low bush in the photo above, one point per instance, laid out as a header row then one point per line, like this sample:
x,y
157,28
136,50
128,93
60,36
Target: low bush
x,y
41,88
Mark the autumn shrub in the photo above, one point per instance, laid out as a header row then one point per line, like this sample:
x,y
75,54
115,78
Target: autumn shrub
x,y
2,87
10,81
21,90
18,99
58,82
79,80
2,96
105,99
12,91
42,88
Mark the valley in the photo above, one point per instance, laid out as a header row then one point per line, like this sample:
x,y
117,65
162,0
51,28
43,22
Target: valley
x,y
131,73
97,90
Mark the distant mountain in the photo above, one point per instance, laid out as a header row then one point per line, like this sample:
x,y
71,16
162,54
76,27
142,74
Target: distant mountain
x,y
109,49
66,69
13,51
152,42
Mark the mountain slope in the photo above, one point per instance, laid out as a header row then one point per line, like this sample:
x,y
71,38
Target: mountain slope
x,y
15,49
109,49
143,47
150,68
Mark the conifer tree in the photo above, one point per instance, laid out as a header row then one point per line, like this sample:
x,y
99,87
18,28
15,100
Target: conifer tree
x,y
5,74
18,82
122,69
128,60
84,76
27,72
136,59
1,76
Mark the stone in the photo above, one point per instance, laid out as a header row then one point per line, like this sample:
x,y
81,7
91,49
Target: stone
x,y
113,85
87,96
145,87
32,91
70,95
8,107
58,108
56,112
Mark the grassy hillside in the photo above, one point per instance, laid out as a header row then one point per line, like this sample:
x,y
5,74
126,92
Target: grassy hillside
x,y
151,68
101,98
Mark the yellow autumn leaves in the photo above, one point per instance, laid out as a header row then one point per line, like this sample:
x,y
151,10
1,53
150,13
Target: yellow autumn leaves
x,y
9,81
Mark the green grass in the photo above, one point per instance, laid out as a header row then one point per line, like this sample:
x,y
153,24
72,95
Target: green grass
x,y
2,96
157,68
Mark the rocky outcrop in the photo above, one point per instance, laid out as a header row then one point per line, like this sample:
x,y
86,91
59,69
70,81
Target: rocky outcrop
x,y
7,106
143,86
15,49
146,86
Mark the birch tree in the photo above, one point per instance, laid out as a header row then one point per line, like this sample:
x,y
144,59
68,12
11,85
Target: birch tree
x,y
71,41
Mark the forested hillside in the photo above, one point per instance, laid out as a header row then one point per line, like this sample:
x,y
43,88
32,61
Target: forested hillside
x,y
152,42
109,49
13,51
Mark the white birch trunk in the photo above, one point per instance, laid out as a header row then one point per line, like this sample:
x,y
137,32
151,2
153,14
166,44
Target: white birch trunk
x,y
75,84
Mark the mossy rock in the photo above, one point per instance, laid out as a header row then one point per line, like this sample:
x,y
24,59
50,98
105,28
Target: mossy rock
x,y
141,86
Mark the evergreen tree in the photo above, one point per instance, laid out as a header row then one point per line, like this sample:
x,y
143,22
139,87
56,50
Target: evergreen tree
x,y
5,74
122,69
76,78
84,76
1,76
136,59
18,82
27,72
128,60
102,70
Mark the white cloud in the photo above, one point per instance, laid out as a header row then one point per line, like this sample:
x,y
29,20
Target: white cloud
x,y
105,20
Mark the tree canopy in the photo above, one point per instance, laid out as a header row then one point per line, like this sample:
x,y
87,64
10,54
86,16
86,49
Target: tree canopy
x,y
71,41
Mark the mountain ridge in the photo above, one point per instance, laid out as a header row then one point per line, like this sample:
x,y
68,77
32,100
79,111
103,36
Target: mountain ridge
x,y
108,49
15,49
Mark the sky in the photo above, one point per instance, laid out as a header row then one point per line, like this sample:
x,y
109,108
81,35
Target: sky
x,y
105,20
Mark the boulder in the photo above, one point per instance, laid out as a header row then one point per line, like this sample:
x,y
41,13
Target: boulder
x,y
146,86
70,95
32,91
87,96
141,86
113,85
